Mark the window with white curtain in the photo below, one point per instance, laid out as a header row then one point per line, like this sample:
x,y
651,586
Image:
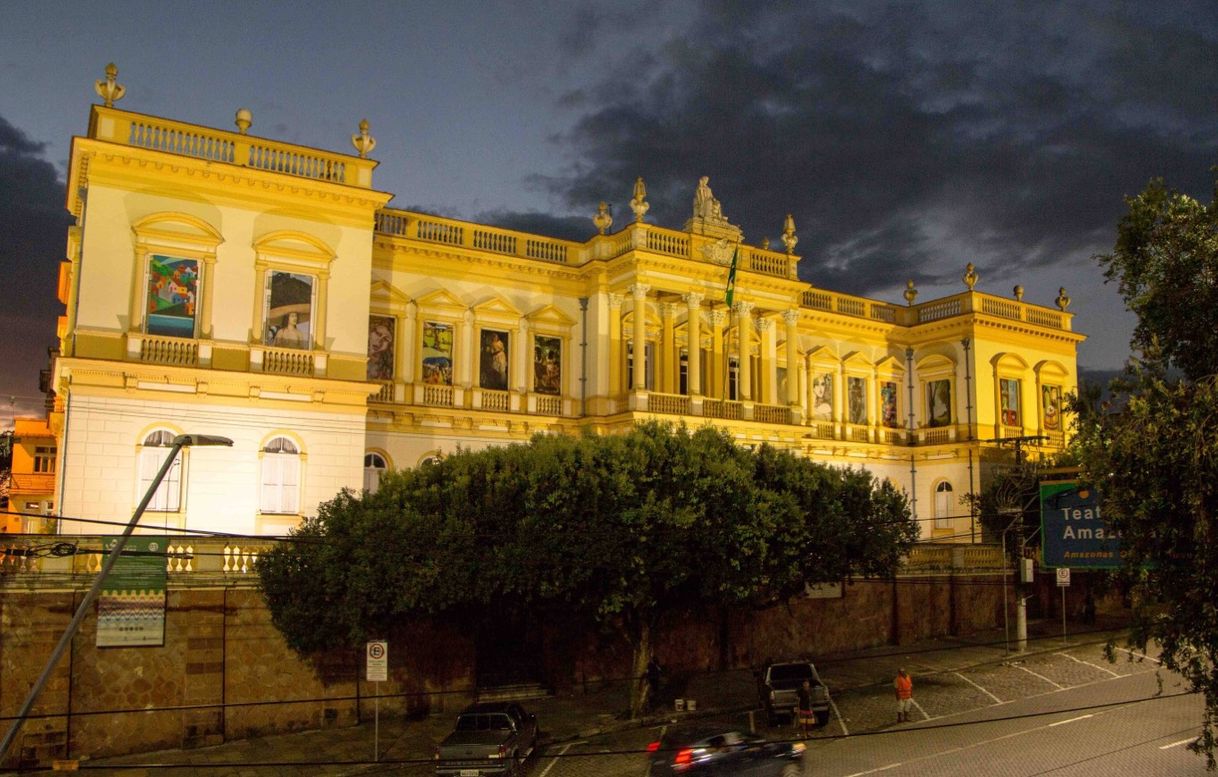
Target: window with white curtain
x,y
280,477
168,496
374,467
944,504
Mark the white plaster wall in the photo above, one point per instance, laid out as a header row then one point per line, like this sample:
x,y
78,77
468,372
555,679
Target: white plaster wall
x,y
100,477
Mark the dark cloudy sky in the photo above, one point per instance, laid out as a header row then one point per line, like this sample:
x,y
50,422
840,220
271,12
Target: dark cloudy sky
x,y
906,139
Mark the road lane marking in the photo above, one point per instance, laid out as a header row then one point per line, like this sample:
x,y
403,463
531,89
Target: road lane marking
x,y
555,759
1071,720
873,771
1139,655
1041,676
978,687
840,719
1177,744
919,706
1088,663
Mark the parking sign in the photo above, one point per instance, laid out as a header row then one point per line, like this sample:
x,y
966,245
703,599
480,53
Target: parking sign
x,y
378,661
1063,576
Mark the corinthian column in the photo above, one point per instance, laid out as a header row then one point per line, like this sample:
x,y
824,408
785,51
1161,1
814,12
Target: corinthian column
x,y
668,350
791,319
744,327
693,333
638,335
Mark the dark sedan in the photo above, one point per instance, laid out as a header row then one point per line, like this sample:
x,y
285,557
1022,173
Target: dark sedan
x,y
707,749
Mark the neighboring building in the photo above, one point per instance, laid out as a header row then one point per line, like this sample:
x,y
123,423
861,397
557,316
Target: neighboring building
x,y
227,284
32,483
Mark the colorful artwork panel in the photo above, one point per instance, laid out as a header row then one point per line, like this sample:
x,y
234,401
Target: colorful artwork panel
x,y
938,403
173,290
547,365
289,310
822,397
381,339
1051,404
437,353
131,604
856,395
888,404
1008,391
495,357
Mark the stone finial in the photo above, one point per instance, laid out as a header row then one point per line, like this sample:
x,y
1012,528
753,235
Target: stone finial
x,y
110,89
910,292
1018,293
602,219
1063,301
244,120
363,142
639,203
765,243
970,277
789,239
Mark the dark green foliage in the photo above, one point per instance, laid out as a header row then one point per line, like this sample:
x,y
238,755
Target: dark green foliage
x,y
1155,461
622,529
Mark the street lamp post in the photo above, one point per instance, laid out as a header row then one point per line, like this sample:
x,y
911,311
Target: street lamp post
x,y
179,442
1006,628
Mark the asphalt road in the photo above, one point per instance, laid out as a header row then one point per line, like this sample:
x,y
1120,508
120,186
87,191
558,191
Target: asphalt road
x,y
1061,713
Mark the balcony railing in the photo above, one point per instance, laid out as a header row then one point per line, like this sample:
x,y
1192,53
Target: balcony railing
x,y
24,559
212,145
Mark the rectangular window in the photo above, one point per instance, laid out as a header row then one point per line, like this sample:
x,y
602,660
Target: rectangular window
x,y
1051,407
280,483
648,372
822,397
781,380
733,378
1008,390
496,356
173,289
938,403
168,496
547,365
856,395
437,353
289,310
382,339
888,404
683,375
44,459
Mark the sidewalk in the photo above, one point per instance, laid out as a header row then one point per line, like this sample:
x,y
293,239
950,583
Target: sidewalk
x,y
406,745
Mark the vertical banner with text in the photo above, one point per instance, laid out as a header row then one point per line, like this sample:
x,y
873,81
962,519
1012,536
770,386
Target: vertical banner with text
x,y
131,607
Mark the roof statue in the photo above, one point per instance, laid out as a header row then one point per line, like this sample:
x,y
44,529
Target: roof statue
x,y
110,89
639,203
708,218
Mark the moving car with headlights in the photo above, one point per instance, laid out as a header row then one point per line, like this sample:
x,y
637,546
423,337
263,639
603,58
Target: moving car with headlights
x,y
705,749
489,738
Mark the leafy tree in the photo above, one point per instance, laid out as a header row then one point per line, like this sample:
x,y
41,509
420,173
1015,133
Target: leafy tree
x,y
625,529
1155,462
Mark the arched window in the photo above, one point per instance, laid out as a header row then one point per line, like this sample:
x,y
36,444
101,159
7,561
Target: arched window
x,y
280,477
168,496
374,467
944,505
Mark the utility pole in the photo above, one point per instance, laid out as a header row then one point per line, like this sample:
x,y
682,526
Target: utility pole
x,y
1015,506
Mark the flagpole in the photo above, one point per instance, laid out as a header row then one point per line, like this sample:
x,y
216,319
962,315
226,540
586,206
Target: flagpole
x,y
728,297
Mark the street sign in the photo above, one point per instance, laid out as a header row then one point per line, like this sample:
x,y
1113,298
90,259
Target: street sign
x,y
1063,576
1075,534
378,661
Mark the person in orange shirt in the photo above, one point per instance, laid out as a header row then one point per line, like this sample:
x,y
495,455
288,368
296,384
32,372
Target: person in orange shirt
x,y
904,688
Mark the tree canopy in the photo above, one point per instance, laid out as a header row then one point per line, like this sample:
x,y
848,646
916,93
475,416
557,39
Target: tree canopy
x,y
1155,462
621,528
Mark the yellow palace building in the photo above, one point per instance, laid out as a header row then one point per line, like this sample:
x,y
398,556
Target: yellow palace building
x,y
222,283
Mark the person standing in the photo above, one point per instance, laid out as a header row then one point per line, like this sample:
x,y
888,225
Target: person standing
x,y
803,708
904,688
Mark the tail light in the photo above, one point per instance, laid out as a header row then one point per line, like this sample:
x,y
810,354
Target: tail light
x,y
502,752
653,746
684,756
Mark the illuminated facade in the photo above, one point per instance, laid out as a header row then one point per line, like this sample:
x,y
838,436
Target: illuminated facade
x,y
223,283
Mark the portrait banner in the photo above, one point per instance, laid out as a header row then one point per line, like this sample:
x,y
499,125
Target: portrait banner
x,y
495,346
381,340
437,353
547,365
939,403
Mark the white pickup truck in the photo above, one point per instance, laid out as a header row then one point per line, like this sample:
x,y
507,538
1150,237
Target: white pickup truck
x,y
779,684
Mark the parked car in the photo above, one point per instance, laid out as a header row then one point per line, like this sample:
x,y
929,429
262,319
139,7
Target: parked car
x,y
778,686
488,738
705,749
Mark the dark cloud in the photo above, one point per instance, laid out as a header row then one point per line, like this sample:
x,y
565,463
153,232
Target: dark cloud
x,y
905,140
564,228
33,224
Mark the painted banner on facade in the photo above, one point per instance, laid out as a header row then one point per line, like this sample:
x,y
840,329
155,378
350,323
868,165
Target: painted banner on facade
x,y
547,365
173,286
493,366
1075,534
131,606
381,340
